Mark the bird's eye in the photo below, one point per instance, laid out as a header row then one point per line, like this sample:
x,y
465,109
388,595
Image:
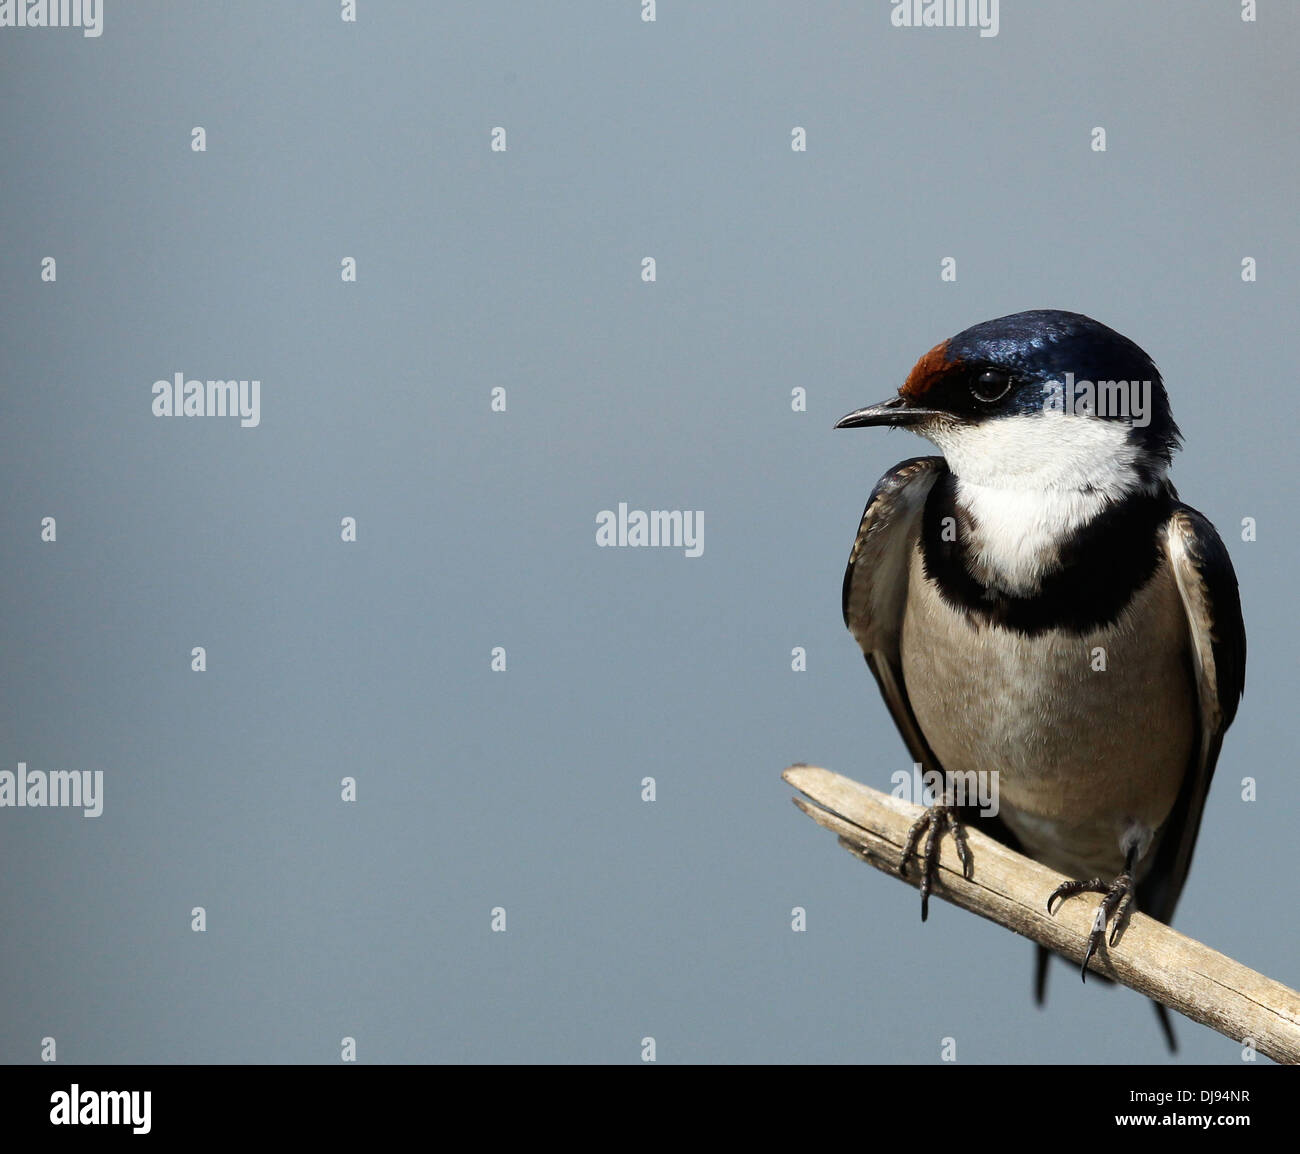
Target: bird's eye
x,y
991,385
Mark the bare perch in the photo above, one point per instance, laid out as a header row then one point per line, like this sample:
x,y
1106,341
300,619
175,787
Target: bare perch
x,y
1012,890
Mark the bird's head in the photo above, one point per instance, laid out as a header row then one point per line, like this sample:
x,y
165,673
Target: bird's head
x,y
1041,399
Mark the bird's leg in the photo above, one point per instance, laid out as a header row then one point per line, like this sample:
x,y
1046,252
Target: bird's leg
x,y
1115,903
940,816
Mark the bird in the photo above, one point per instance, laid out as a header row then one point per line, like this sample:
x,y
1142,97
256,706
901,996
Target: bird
x,y
1037,605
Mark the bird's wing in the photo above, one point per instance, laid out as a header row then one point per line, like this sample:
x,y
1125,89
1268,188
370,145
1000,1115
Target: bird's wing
x,y
1208,587
875,585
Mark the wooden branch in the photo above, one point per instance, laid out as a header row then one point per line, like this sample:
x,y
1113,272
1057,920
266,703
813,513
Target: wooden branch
x,y
1012,890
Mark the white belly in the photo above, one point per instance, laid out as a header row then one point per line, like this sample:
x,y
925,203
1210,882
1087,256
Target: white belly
x,y
1083,757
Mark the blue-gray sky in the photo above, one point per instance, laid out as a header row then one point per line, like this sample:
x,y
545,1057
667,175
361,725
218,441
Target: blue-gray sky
x,y
521,269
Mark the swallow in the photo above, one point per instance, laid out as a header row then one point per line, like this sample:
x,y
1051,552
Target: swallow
x,y
1037,605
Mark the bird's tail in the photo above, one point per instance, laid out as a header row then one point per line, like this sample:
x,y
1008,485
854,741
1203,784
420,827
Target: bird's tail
x,y
1042,955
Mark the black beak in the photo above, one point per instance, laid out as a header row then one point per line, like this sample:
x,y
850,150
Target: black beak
x,y
895,411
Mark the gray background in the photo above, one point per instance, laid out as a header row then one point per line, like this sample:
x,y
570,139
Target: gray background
x,y
476,529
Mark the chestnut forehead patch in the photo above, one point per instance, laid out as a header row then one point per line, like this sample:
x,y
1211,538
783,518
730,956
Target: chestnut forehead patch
x,y
927,372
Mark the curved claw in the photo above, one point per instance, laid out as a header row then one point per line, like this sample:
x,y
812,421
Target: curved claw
x,y
932,823
1092,949
1115,902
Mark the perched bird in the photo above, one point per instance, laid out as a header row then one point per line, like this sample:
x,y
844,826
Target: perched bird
x,y
1037,605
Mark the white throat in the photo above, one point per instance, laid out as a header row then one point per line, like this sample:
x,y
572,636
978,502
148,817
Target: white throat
x,y
1030,482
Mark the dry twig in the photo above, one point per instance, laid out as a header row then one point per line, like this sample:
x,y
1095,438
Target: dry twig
x,y
1011,889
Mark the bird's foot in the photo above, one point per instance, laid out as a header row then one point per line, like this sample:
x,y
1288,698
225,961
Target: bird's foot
x,y
1115,903
935,819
